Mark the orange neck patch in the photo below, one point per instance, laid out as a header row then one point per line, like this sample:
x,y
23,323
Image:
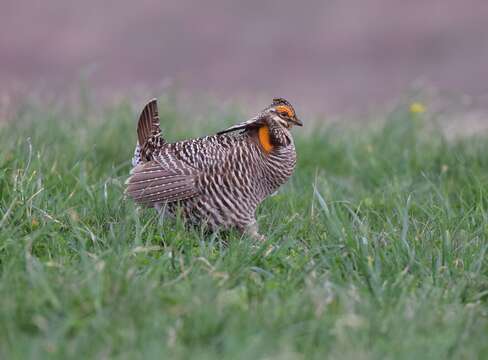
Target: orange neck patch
x,y
265,139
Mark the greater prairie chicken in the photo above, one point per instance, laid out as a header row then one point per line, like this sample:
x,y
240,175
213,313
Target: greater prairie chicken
x,y
218,180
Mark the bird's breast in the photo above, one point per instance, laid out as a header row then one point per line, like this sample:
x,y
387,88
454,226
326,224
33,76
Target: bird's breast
x,y
277,167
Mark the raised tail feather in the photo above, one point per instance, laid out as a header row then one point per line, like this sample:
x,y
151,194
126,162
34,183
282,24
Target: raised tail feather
x,y
148,132
148,124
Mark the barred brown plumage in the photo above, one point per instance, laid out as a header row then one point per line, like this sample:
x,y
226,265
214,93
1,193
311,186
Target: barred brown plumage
x,y
217,180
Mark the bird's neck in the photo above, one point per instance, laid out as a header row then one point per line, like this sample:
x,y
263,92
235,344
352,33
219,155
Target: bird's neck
x,y
278,136
265,138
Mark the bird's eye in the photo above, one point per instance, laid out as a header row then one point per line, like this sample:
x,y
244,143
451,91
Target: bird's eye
x,y
284,114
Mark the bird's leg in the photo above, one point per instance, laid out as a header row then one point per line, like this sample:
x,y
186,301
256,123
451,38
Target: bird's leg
x,y
252,230
160,209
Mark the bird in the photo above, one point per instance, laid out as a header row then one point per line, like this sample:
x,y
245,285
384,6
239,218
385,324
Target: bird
x,y
216,181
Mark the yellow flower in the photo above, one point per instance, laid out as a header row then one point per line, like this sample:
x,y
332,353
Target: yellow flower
x,y
34,223
417,108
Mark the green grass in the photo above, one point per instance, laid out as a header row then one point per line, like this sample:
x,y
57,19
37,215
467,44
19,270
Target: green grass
x,y
381,248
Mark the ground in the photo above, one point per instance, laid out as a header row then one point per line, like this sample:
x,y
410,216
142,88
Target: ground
x,y
380,247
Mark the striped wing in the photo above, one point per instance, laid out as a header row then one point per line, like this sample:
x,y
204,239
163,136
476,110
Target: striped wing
x,y
154,183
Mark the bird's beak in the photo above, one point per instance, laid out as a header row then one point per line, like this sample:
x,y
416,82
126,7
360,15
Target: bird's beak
x,y
297,121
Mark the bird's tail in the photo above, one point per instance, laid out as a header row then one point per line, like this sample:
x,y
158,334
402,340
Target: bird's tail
x,y
148,124
148,132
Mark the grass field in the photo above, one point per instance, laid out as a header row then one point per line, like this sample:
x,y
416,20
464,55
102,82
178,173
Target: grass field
x,y
381,247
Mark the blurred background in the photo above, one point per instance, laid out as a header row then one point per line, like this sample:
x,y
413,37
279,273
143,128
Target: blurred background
x,y
329,56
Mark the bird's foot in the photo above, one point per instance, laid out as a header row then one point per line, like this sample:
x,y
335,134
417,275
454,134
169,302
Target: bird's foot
x,y
259,239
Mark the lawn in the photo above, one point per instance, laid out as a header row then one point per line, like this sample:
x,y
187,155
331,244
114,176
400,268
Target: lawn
x,y
380,246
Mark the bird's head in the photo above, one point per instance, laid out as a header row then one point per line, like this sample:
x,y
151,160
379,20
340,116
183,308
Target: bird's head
x,y
280,114
283,113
